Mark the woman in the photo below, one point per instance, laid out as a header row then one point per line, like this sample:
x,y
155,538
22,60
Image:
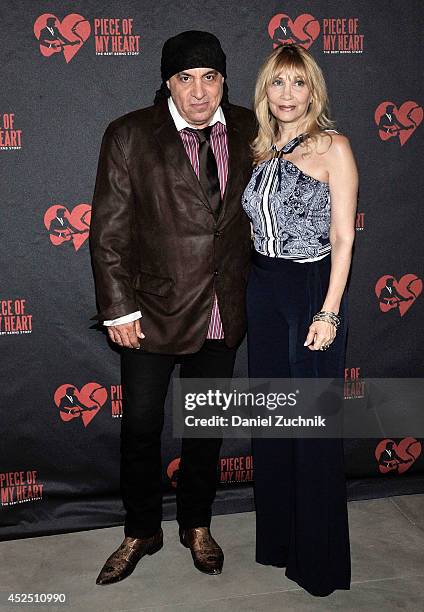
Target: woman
x,y
297,317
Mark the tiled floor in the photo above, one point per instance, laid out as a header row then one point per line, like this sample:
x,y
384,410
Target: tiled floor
x,y
387,544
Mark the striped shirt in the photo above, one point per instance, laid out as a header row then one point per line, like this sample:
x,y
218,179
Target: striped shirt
x,y
219,145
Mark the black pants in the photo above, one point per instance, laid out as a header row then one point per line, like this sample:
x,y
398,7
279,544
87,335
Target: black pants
x,y
300,489
145,379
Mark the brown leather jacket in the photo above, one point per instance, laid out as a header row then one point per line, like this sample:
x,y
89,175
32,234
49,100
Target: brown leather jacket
x,y
154,242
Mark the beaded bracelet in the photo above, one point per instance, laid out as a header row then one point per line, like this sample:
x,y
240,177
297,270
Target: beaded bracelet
x,y
329,317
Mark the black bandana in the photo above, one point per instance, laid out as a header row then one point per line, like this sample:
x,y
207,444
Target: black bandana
x,y
192,49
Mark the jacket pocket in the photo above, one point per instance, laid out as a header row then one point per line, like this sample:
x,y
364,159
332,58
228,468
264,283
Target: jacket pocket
x,y
150,283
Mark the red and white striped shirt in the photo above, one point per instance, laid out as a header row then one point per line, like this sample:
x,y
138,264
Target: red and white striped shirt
x,y
219,145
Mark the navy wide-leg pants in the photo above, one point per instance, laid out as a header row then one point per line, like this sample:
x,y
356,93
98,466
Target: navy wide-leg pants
x,y
299,484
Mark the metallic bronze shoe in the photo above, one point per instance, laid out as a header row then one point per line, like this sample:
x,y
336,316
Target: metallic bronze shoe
x,y
207,554
122,562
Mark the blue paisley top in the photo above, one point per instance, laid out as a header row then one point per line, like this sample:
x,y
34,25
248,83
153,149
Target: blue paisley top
x,y
289,210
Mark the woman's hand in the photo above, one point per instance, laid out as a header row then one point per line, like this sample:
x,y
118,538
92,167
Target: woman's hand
x,y
320,333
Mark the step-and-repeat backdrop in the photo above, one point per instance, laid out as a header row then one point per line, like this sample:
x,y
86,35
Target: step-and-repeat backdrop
x,y
68,69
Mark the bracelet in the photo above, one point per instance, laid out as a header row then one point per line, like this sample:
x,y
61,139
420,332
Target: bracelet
x,y
329,317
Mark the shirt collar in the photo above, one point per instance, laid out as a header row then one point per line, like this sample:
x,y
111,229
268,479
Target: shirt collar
x,y
181,123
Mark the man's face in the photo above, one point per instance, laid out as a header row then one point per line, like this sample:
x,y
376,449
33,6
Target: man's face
x,y
197,94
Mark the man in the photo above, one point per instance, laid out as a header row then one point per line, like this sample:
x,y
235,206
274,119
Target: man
x,y
390,296
170,249
70,404
390,122
51,38
61,227
283,33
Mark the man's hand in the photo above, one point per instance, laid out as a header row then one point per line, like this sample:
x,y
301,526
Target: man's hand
x,y
126,334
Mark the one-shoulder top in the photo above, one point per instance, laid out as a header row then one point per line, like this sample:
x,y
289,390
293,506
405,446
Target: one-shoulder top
x,y
289,210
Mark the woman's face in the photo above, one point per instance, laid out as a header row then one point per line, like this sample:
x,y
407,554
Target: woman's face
x,y
288,97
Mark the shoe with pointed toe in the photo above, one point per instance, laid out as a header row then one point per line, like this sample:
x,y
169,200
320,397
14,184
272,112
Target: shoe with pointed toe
x,y
206,553
123,561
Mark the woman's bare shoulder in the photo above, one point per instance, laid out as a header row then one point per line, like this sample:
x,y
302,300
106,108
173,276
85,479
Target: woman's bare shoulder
x,y
332,143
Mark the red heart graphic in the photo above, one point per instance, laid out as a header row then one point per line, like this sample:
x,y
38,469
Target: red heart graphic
x,y
402,295
304,30
85,403
172,471
64,226
398,458
393,121
56,36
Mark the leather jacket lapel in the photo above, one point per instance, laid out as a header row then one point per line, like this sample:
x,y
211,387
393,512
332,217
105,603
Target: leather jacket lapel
x,y
235,153
172,146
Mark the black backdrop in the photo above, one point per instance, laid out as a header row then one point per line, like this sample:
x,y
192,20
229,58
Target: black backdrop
x,y
62,475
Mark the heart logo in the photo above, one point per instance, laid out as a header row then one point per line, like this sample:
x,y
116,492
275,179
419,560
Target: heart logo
x,y
392,457
172,471
393,121
84,403
400,294
304,30
66,36
68,227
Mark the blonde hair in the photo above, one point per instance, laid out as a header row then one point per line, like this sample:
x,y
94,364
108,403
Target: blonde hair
x,y
289,57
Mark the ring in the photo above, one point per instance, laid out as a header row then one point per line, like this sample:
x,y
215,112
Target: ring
x,y
325,347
